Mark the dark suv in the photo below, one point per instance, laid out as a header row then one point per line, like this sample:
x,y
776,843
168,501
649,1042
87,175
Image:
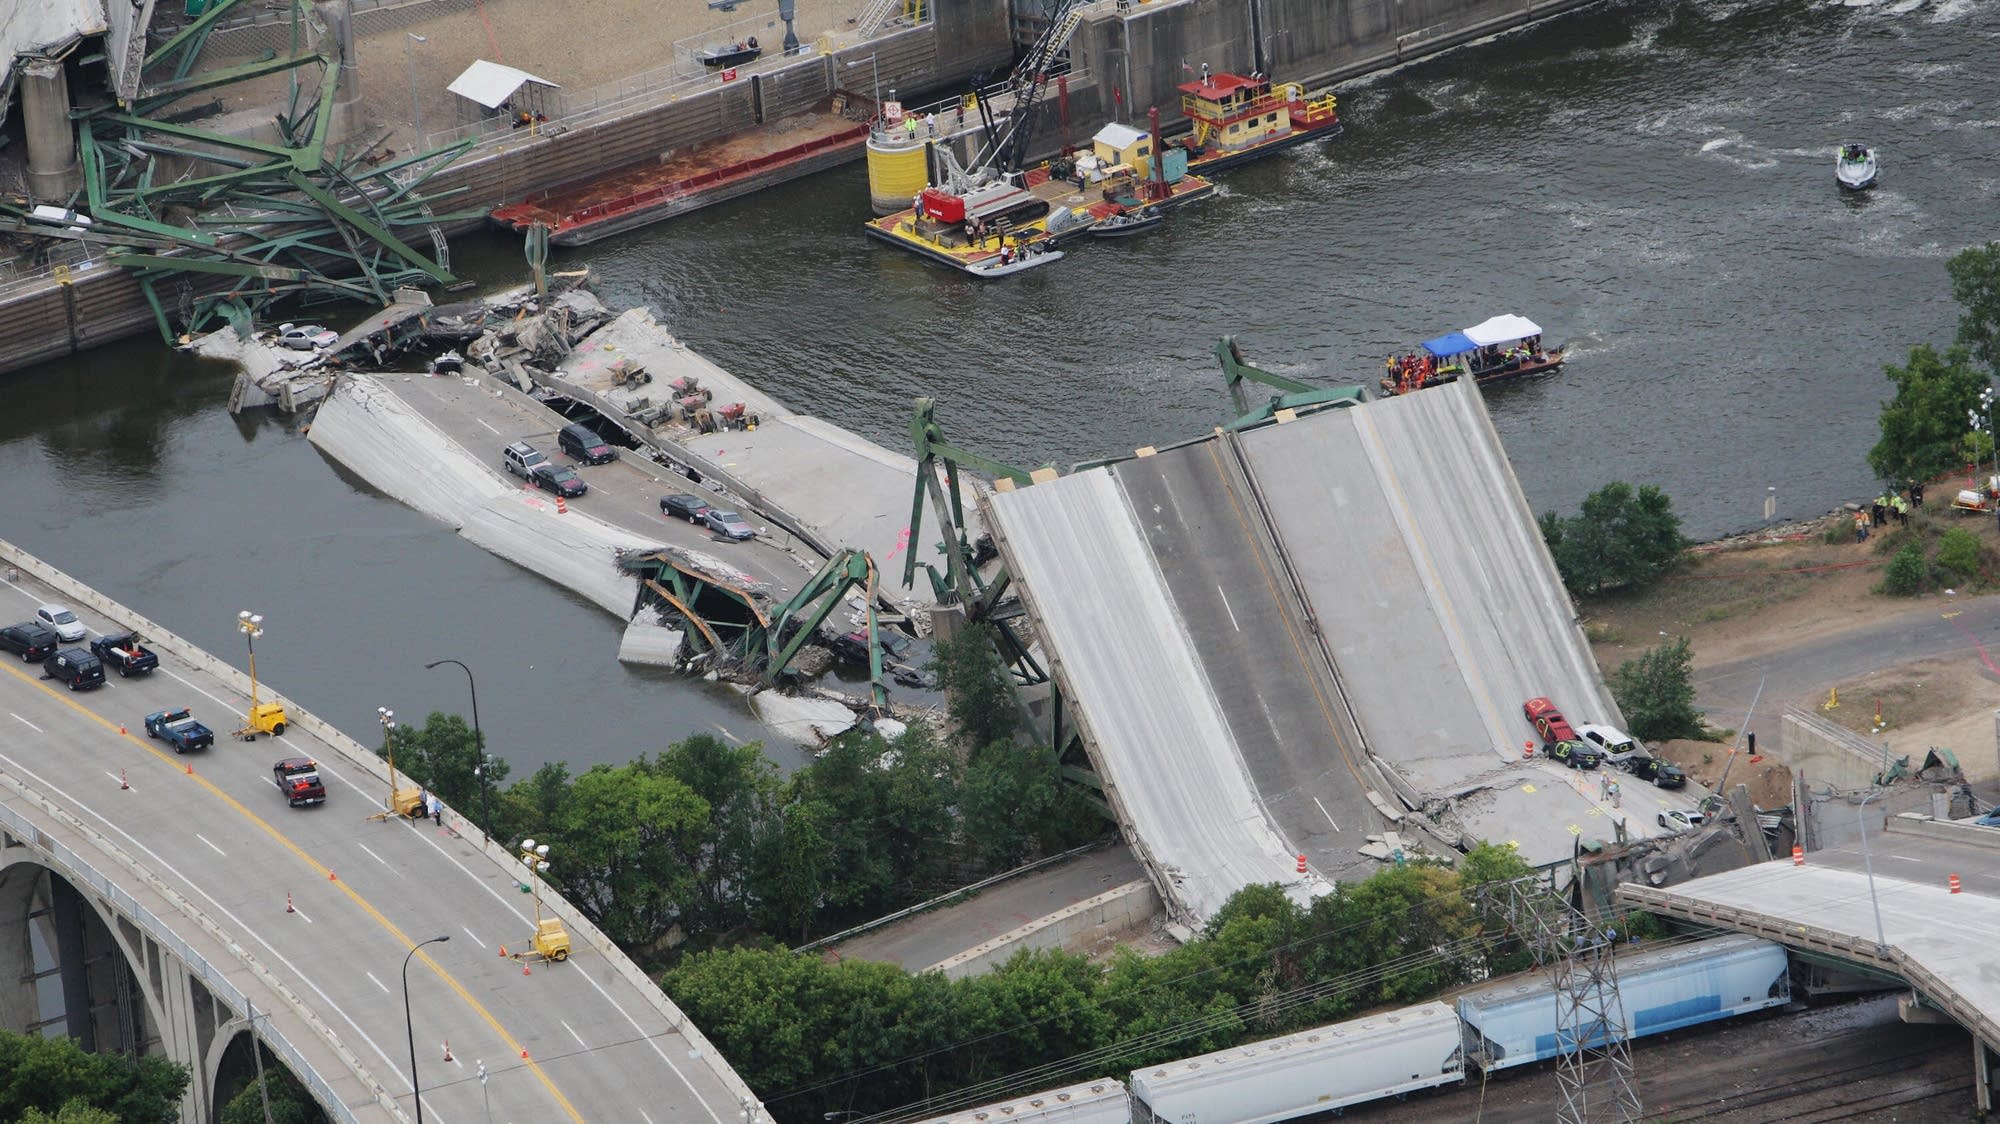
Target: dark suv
x,y
578,442
29,640
75,668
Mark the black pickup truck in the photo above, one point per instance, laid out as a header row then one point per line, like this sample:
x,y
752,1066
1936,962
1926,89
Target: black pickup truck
x,y
122,652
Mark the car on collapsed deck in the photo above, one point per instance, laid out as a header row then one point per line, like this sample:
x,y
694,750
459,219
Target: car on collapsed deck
x,y
29,640
178,728
681,505
1558,739
579,442
1625,752
558,478
728,525
298,779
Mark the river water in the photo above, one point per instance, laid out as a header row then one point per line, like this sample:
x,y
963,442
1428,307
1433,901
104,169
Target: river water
x,y
1652,182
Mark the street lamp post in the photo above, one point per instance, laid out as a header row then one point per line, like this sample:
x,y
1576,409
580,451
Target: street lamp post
x,y
479,740
1987,396
416,1090
877,72
1881,940
389,751
251,625
416,107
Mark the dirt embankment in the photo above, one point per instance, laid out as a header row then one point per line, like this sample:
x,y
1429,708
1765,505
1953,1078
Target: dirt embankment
x,y
1762,600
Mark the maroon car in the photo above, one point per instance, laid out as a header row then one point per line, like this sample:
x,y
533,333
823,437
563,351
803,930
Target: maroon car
x,y
298,779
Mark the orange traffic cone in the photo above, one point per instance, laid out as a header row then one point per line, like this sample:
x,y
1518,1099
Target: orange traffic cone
x,y
122,782
288,902
524,969
331,876
121,728
524,1053
190,768
503,952
447,1050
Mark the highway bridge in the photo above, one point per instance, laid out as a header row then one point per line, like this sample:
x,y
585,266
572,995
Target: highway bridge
x,y
158,904
1918,903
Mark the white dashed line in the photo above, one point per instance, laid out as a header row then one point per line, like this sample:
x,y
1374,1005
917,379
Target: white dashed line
x,y
211,846
28,724
376,982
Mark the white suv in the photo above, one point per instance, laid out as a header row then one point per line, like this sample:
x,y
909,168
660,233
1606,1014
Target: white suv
x,y
521,458
1617,746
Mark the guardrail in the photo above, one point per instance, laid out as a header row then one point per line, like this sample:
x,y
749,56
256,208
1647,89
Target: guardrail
x,y
359,757
73,867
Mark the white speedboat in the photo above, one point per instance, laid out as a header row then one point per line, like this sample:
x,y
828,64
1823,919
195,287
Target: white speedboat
x,y
1854,167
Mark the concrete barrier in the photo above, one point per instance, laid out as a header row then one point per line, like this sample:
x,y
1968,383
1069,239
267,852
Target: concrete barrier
x,y
354,755
1950,831
1073,929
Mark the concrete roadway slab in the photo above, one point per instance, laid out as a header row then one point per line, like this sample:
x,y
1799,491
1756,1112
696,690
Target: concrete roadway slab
x,y
1284,714
934,936
624,494
1153,724
363,892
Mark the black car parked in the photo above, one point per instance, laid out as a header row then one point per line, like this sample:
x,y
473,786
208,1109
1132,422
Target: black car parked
x,y
560,479
29,640
681,505
75,668
578,442
1665,774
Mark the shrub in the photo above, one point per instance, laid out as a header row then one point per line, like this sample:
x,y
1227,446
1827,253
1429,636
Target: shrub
x,y
1959,551
1656,692
1905,575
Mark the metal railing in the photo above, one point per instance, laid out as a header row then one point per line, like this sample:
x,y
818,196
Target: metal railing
x,y
73,868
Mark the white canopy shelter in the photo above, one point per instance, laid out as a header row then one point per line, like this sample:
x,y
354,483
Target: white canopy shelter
x,y
1502,329
492,84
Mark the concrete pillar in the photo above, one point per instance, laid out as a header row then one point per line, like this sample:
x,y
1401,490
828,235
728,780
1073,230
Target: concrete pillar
x,y
1983,1077
72,959
338,16
53,171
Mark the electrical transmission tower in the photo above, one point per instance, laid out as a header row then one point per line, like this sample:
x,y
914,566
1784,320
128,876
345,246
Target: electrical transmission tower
x,y
1593,1065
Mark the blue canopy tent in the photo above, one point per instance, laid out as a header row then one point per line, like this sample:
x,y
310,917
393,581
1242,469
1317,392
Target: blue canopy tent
x,y
1450,344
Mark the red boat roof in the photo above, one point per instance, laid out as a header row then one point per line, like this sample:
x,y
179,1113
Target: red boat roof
x,y
1220,86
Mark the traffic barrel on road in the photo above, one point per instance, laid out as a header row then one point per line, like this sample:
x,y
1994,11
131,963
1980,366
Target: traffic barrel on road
x,y
1953,882
1302,870
1798,856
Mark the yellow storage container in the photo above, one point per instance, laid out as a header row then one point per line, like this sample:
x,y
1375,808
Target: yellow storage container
x,y
897,170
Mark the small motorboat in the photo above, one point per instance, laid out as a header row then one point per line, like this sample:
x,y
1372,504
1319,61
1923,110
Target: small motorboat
x,y
1854,167
729,54
1019,264
1127,223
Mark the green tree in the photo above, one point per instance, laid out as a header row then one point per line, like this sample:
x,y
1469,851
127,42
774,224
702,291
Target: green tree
x,y
1959,551
625,848
795,866
59,1077
741,787
1905,574
980,690
1975,285
290,1104
1924,426
1620,537
1015,802
1656,692
443,756
73,1112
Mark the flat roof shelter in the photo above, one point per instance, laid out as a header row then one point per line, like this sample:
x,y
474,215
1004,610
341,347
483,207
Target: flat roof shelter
x,y
496,88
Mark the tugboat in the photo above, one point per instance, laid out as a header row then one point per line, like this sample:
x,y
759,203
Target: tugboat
x,y
1854,168
1238,119
1497,350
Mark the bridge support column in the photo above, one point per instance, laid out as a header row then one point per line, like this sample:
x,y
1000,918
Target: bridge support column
x,y
53,171
1984,1074
190,1015
73,962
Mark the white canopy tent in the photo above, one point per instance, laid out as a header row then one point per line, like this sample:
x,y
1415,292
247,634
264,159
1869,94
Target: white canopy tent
x,y
495,87
1502,329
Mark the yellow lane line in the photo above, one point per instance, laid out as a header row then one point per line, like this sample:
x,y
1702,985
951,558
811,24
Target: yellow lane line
x,y
145,743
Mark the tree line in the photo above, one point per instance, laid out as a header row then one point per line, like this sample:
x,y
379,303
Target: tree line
x,y
817,1035
704,842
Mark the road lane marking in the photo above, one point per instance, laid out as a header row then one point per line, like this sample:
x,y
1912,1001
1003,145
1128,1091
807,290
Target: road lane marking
x,y
1327,814
475,936
122,783
388,926
1227,609
376,982
574,1034
380,859
211,846
28,724
307,920
488,425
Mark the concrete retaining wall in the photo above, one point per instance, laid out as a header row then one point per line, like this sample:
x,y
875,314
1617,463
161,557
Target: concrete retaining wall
x,y
1074,928
1950,831
1828,753
362,759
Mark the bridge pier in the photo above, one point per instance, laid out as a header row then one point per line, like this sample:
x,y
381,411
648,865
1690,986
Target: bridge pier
x,y
1984,1076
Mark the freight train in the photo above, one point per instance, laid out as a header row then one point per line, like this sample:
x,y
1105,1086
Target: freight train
x,y
1491,1028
